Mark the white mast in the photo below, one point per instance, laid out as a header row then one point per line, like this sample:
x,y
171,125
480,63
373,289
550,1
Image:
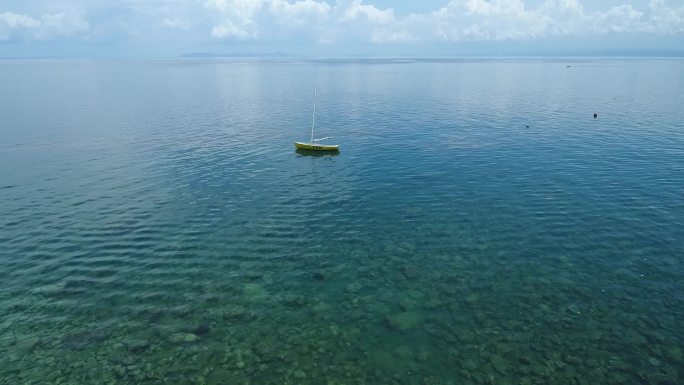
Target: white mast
x,y
313,118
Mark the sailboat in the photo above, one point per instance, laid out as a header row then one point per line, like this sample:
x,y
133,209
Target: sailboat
x,y
314,144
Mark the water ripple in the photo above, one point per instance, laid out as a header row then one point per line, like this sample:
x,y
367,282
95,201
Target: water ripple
x,y
478,226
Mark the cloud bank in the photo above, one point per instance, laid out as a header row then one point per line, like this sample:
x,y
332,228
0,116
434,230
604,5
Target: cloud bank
x,y
330,22
19,27
458,20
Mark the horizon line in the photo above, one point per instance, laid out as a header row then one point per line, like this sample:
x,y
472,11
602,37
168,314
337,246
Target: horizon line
x,y
281,56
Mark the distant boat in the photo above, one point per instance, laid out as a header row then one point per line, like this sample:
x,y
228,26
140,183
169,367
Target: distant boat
x,y
314,144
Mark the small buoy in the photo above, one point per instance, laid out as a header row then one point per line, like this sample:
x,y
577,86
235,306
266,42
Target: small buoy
x,y
595,115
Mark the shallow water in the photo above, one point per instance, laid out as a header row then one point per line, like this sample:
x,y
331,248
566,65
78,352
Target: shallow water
x,y
479,226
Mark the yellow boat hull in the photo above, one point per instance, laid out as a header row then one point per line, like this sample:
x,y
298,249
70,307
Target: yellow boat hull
x,y
317,147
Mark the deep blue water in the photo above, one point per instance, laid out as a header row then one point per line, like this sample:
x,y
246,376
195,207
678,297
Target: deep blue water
x,y
479,226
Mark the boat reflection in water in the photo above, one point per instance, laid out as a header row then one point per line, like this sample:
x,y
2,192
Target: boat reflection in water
x,y
302,152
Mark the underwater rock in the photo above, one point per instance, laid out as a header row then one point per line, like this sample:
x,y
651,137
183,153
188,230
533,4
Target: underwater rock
x,y
293,300
254,291
265,350
430,380
422,356
406,303
234,313
334,329
156,315
212,300
378,308
404,352
525,359
591,363
299,374
433,302
573,360
218,377
366,272
119,371
353,287
204,355
524,369
10,365
675,354
183,337
82,340
416,295
27,345
653,361
465,336
481,317
48,290
149,372
137,345
181,310
254,275
406,246
404,321
469,364
472,298
410,272
200,330
500,364
383,360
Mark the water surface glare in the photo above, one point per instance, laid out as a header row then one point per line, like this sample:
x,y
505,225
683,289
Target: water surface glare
x,y
479,226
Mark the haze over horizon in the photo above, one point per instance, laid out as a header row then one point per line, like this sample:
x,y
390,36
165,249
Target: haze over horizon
x,y
164,28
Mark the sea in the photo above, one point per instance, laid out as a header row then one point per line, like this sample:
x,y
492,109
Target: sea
x,y
508,221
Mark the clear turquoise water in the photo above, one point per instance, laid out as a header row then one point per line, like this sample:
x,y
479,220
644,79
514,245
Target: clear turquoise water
x,y
157,226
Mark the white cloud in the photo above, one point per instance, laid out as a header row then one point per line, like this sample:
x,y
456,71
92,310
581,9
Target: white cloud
x,y
229,30
13,20
20,27
471,20
355,10
176,24
315,20
382,35
338,21
240,19
491,7
244,9
483,20
665,19
354,21
61,24
237,18
299,12
619,19
511,19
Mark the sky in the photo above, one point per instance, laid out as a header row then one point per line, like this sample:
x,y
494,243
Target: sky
x,y
339,28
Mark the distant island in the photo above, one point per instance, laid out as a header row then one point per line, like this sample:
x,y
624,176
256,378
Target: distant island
x,y
233,54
